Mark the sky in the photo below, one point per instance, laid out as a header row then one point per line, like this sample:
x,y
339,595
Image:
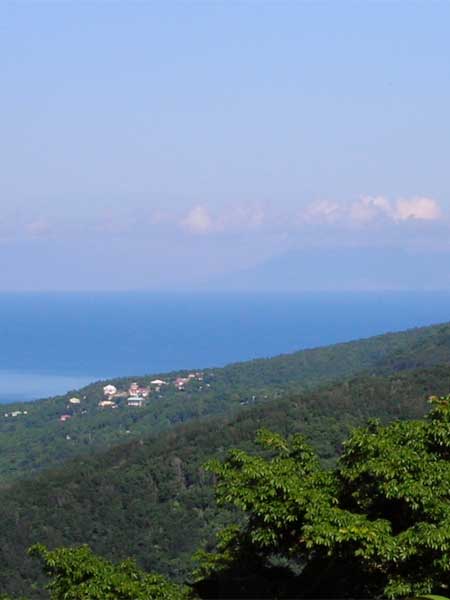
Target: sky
x,y
224,145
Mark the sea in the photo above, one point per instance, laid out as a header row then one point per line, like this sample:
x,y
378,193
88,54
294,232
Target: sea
x,y
51,343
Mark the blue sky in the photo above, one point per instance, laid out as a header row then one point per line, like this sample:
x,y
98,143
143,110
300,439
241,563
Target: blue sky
x,y
186,145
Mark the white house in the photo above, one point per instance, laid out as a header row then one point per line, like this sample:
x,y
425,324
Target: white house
x,y
109,390
107,404
135,401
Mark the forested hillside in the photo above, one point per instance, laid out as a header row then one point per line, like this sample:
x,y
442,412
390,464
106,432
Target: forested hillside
x,y
36,438
151,498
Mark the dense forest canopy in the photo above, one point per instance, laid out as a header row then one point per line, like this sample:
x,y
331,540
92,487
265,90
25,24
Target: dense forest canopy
x,y
375,525
150,497
378,524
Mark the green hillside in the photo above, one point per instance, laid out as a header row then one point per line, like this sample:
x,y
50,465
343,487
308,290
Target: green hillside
x,y
39,439
152,500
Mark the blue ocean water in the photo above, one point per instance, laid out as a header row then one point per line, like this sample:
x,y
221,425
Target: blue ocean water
x,y
51,343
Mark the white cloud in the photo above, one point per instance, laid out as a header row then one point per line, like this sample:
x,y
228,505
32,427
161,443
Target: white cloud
x,y
241,217
322,212
423,209
236,218
368,209
38,228
371,209
198,220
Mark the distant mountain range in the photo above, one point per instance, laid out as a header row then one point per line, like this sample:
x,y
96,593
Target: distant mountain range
x,y
340,268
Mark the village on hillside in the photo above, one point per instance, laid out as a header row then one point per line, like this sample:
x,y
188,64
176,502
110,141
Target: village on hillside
x,y
136,396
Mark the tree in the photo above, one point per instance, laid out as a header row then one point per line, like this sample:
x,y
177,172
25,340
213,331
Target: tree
x,y
377,525
78,574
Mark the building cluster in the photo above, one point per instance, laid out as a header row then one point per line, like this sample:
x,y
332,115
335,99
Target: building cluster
x,y
180,382
16,413
136,395
73,404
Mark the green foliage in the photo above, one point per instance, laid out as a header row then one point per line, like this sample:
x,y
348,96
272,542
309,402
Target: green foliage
x,y
78,574
431,597
152,500
39,440
378,524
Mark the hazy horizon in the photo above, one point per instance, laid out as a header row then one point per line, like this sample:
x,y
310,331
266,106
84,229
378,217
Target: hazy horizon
x,y
60,341
199,146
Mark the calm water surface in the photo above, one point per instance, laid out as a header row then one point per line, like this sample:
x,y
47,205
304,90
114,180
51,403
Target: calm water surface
x,y
51,343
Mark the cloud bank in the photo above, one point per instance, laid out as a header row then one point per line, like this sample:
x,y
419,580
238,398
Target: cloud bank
x,y
370,209
203,220
199,220
123,248
366,211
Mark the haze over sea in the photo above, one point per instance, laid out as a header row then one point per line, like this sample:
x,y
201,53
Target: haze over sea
x,y
52,343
